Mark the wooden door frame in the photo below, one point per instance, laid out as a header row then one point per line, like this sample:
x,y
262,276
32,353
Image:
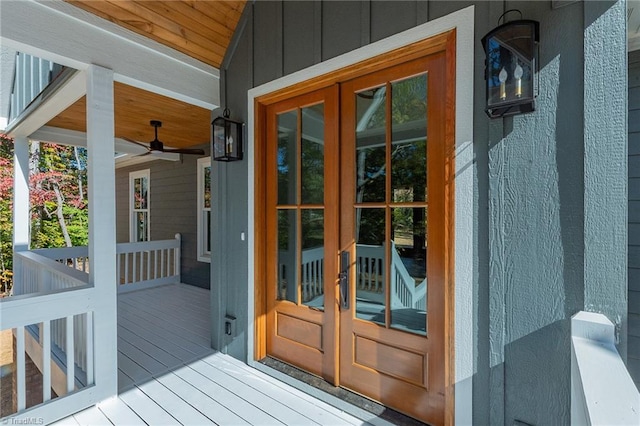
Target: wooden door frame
x,y
454,31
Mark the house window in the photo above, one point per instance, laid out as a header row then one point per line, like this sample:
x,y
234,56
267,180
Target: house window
x,y
139,206
204,209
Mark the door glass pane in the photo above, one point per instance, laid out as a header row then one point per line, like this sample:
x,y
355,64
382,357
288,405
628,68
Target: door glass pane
x,y
287,156
409,139
287,250
312,268
409,270
312,153
370,260
370,145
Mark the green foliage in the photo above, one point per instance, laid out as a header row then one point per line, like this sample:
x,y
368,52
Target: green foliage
x,y
6,223
56,168
77,225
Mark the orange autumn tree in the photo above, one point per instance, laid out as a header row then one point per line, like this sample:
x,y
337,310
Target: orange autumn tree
x,y
57,182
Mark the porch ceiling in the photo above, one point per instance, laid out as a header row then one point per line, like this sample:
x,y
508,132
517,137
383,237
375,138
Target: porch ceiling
x,y
183,125
199,29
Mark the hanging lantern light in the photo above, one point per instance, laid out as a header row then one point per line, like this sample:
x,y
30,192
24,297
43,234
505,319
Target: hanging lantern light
x,y
511,67
227,138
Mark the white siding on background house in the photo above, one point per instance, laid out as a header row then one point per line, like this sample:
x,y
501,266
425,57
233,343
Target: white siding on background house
x,y
633,353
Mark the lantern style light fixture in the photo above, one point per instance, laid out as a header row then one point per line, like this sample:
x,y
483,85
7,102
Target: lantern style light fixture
x,y
511,67
227,138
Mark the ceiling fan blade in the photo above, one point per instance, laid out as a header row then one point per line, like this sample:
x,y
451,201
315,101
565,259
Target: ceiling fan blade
x,y
193,151
137,143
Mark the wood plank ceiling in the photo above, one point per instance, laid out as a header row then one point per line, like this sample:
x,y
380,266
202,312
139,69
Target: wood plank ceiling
x,y
201,29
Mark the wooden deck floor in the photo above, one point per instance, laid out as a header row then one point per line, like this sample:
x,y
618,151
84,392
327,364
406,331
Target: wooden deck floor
x,y
168,374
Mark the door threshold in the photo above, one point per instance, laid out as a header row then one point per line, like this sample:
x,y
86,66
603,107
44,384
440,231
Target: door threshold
x,y
350,402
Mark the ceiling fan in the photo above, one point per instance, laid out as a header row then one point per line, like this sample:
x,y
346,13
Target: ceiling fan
x,y
157,146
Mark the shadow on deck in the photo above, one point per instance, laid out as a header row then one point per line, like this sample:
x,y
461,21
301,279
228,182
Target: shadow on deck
x,y
168,374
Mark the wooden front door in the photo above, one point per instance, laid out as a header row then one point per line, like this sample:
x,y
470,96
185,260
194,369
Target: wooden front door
x,y
357,225
302,224
392,229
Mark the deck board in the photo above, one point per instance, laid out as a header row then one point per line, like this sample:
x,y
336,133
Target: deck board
x,y
243,408
119,413
280,411
218,413
92,417
168,374
148,410
295,397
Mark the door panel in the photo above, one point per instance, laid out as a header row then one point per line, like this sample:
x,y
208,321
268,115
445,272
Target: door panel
x,y
301,211
392,183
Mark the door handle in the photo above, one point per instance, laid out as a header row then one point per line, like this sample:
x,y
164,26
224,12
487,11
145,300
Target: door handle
x,y
344,280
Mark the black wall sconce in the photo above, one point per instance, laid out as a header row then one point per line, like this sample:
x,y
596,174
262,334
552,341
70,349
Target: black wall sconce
x,y
511,67
227,138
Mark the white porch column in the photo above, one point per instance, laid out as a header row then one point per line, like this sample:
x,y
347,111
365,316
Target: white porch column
x,y
102,225
21,217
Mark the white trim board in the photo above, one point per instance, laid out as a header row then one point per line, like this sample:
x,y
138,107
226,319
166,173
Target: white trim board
x,y
62,33
66,95
463,22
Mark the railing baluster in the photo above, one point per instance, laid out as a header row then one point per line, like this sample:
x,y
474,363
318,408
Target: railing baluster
x,y
21,373
69,350
89,342
134,266
126,268
148,263
162,275
118,268
155,264
46,361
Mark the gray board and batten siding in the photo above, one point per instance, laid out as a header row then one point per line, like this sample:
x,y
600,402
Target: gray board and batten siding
x,y
545,185
172,208
633,354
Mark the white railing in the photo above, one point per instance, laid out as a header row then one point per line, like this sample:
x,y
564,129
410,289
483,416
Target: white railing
x,y
51,313
147,264
75,257
405,293
140,265
43,275
369,277
312,281
370,272
61,345
602,391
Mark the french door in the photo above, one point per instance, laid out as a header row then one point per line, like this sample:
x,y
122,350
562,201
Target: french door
x,y
357,222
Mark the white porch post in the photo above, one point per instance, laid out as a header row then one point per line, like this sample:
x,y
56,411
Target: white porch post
x,y
102,225
20,201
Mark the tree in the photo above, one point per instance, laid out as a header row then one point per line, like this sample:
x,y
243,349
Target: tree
x,y
59,211
59,215
6,206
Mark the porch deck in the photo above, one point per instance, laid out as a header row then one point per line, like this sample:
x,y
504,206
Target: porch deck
x,y
168,374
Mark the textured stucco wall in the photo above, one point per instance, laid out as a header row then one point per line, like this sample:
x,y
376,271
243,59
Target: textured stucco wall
x,y
535,244
605,163
546,245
